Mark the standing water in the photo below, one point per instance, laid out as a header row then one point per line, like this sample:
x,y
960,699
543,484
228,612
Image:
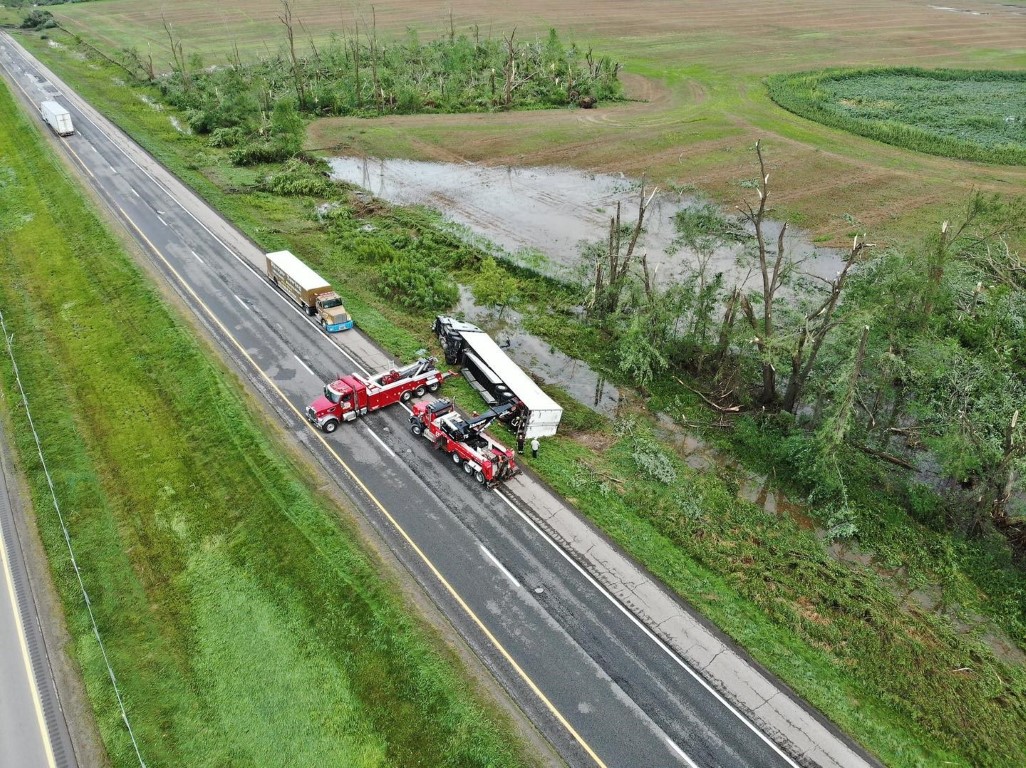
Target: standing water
x,y
552,211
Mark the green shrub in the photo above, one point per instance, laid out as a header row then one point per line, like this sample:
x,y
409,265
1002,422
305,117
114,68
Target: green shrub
x,y
297,177
373,250
37,19
417,286
226,137
258,152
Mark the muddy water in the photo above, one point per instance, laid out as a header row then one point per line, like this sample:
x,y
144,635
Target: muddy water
x,y
541,216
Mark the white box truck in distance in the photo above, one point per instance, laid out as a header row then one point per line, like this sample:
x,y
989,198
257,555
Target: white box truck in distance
x,y
57,117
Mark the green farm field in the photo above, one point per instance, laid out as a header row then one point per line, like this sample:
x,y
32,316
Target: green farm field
x,y
695,70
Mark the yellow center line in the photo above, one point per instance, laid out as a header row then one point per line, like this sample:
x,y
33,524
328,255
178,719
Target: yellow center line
x,y
381,507
20,629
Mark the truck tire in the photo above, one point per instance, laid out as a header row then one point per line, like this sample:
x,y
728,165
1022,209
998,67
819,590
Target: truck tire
x,y
479,476
433,387
419,391
406,396
456,459
468,468
417,428
330,425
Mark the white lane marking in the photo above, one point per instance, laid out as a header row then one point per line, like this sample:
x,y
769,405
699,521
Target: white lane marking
x,y
680,752
500,566
304,365
93,147
652,636
137,195
381,442
111,168
161,220
196,257
244,304
291,305
19,628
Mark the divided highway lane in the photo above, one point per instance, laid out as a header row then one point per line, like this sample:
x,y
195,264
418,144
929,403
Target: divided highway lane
x,y
25,741
593,680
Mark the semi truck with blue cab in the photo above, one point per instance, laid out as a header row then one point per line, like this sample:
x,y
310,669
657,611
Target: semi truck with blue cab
x,y
309,290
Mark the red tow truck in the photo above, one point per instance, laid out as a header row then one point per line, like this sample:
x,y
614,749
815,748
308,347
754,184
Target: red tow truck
x,y
350,396
464,439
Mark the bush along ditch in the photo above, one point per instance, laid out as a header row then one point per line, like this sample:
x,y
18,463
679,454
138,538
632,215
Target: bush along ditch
x,y
786,377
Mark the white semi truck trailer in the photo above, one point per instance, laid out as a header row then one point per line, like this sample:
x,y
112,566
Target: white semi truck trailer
x,y
57,117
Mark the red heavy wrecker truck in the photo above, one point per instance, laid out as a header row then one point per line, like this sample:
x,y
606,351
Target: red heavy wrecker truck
x,y
350,396
464,439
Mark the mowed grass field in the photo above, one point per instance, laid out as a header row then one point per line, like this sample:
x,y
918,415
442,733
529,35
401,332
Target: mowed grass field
x,y
696,70
245,623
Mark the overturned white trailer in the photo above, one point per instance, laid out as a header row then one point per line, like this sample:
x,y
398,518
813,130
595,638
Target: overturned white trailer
x,y
499,380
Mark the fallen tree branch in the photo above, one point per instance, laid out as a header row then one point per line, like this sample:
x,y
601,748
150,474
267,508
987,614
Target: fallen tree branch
x,y
718,408
887,457
602,474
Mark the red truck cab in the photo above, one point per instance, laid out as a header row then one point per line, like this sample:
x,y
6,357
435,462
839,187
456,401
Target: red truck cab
x,y
342,400
350,396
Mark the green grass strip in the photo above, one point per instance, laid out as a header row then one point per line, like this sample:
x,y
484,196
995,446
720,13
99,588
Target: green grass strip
x,y
245,625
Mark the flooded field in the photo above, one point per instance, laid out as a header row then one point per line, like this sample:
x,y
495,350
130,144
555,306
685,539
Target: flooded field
x,y
540,217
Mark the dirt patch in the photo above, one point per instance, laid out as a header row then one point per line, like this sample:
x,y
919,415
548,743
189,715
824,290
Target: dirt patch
x,y
599,442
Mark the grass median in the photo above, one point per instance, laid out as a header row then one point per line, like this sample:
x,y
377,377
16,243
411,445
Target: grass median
x,y
246,626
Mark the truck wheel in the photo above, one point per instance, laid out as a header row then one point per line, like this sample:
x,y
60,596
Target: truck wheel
x,y
479,476
468,468
433,387
330,426
456,459
417,428
419,391
405,396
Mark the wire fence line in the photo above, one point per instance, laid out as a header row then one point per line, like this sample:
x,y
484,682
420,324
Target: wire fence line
x,y
9,339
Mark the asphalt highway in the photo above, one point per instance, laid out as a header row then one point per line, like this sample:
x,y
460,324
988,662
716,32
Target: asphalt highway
x,y
23,737
587,673
33,731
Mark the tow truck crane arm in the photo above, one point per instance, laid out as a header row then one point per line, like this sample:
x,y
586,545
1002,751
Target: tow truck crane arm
x,y
479,424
